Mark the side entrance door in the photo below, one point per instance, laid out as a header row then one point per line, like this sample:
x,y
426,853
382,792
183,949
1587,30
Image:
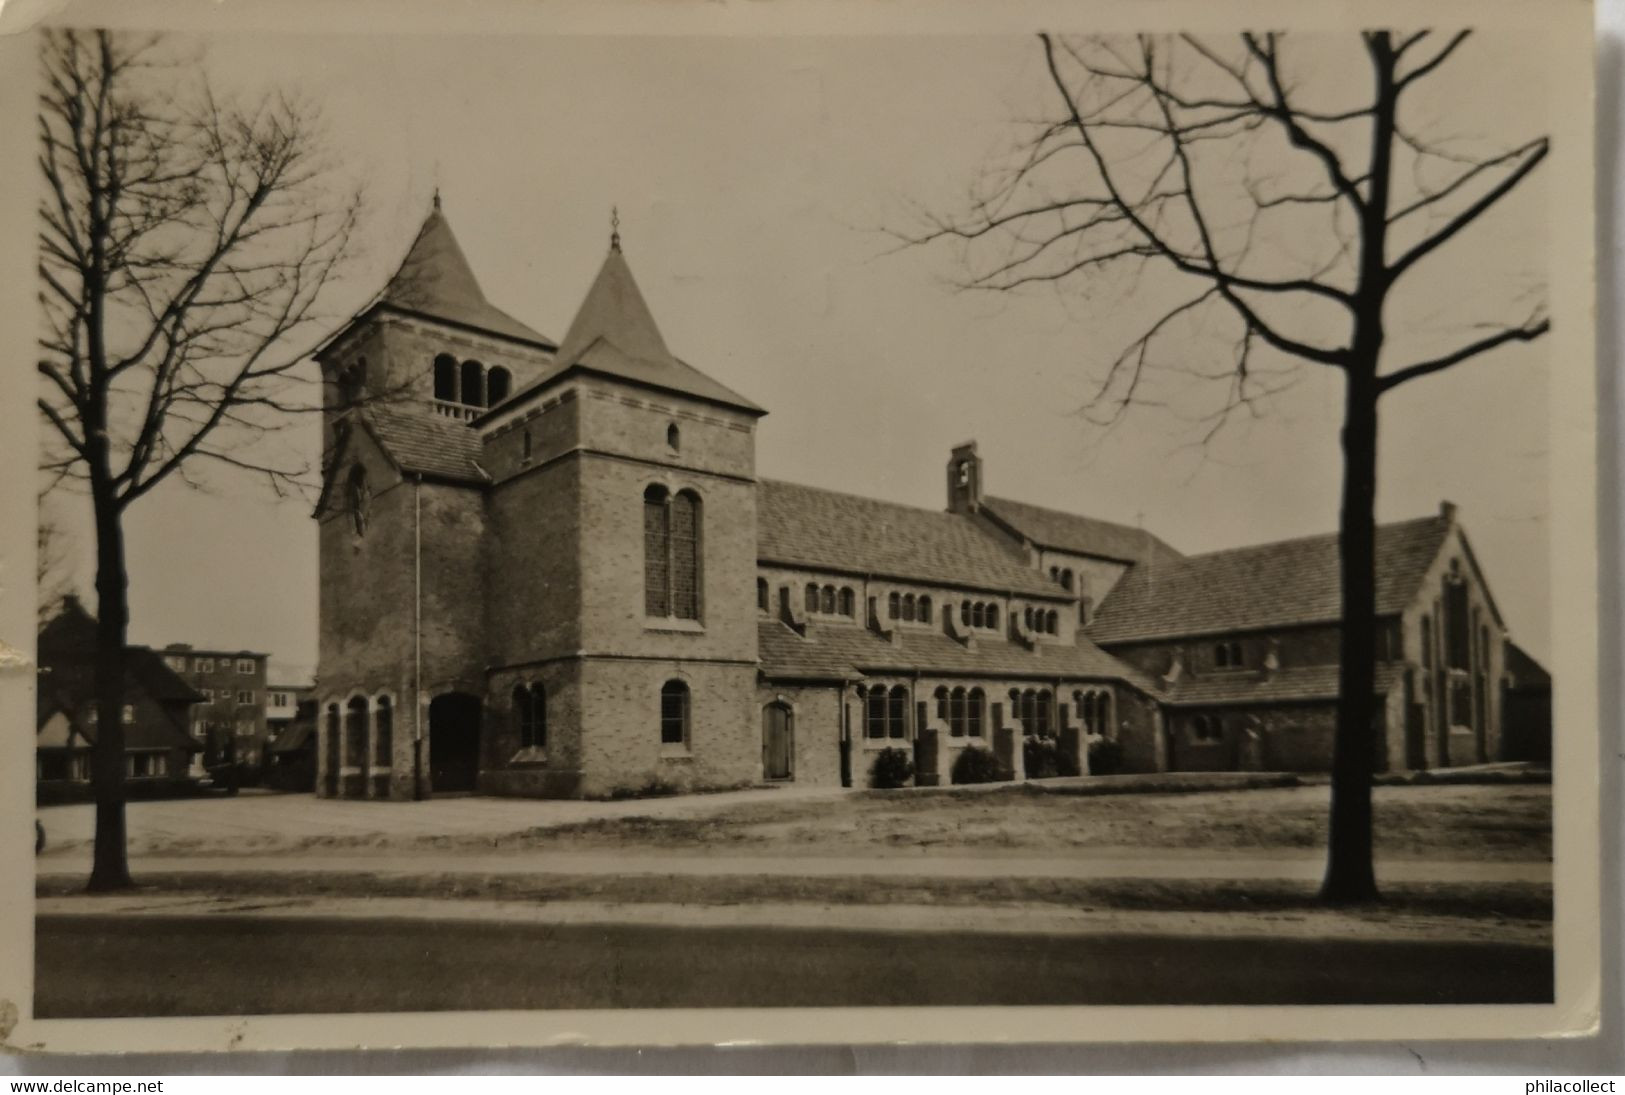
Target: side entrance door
x,y
778,742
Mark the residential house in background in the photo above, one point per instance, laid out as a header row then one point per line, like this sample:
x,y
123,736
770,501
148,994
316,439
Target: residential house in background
x,y
156,711
231,720
282,706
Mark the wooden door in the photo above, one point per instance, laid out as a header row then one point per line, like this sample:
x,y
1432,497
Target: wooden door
x,y
778,742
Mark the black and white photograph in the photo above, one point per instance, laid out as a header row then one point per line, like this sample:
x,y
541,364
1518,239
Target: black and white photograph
x,y
710,518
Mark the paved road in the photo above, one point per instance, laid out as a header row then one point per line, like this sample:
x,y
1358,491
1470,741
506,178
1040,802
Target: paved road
x,y
1095,864
244,965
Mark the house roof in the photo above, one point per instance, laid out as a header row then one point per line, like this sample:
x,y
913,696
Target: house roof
x,y
847,651
435,280
421,442
827,530
614,334
1051,528
1296,685
1524,670
1281,584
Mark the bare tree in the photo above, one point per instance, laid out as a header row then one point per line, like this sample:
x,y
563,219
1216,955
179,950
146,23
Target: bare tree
x,y
1290,219
52,578
184,243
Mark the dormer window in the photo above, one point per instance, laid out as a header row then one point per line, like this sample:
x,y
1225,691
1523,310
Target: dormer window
x,y
1227,655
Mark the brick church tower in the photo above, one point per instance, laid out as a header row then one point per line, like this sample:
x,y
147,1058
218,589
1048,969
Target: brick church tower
x,y
536,557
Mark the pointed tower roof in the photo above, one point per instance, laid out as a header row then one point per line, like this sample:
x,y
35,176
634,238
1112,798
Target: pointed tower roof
x,y
435,280
614,334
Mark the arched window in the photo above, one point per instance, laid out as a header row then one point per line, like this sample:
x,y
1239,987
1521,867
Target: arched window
x,y
521,714
1042,712
383,732
360,499
537,704
445,378
897,712
826,601
993,616
761,595
472,393
941,695
1427,642
1066,579
847,601
1207,728
674,713
355,732
656,553
685,555
956,713
1085,606
674,438
1483,646
810,602
964,613
1221,656
978,615
974,704
1027,617
497,384
925,609
527,443
1052,622
875,713
894,605
908,608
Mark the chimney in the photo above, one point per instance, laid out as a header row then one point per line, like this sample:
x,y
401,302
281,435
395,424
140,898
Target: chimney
x,y
964,479
1447,510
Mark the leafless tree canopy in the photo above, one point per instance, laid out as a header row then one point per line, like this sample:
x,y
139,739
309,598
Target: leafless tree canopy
x,y
1286,198
185,242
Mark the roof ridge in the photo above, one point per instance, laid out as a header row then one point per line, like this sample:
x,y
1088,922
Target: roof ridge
x,y
769,480
1069,513
1265,545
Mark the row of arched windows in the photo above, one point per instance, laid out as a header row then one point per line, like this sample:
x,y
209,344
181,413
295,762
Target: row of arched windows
x,y
1094,710
1043,621
822,600
909,608
1033,708
471,383
360,737
886,712
961,710
671,553
983,614
1063,575
530,715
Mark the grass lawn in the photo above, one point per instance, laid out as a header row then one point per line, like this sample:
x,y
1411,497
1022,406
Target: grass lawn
x,y
1445,822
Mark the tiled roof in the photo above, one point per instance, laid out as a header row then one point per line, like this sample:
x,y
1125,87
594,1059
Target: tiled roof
x,y
435,280
614,333
1052,528
844,651
824,529
1280,584
422,442
1312,682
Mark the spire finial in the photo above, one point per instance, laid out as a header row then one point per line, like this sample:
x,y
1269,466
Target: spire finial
x,y
437,198
614,228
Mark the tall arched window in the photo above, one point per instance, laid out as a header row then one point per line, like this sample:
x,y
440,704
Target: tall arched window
x,y
894,605
897,712
383,732
826,600
942,703
874,725
656,553
908,608
925,609
978,616
847,601
445,378
674,713
473,388
685,556
974,704
1427,642
811,600
993,616
497,383
1052,622
674,438
671,553
956,712
761,595
1066,580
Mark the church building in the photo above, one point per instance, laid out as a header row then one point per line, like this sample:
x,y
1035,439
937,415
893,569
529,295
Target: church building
x,y
549,568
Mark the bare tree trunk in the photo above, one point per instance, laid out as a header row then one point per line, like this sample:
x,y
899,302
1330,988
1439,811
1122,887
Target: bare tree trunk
x,y
110,868
1350,877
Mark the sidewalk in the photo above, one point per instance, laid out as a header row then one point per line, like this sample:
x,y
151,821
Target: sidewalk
x,y
1102,864
902,918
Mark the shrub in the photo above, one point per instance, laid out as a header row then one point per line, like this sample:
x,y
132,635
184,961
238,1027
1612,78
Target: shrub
x,y
976,765
1105,757
893,768
1041,756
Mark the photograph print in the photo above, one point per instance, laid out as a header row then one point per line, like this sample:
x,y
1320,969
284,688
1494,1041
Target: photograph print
x,y
578,523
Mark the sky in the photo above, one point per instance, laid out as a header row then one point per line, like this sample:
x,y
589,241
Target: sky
x,y
755,179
